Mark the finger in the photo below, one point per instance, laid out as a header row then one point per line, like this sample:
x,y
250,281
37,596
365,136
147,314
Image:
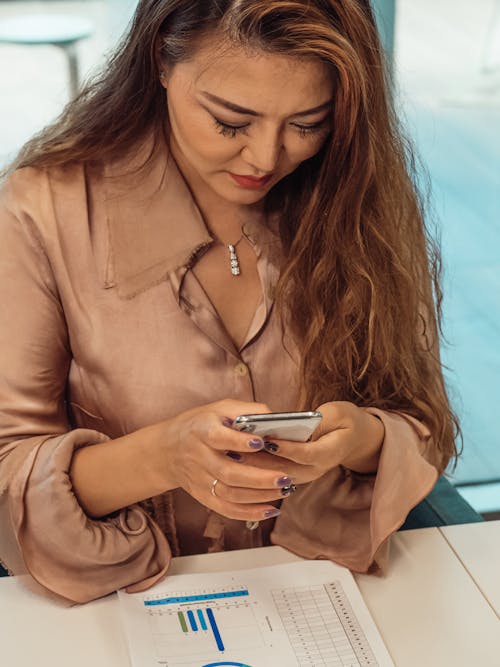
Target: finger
x,y
244,512
261,459
297,452
300,474
336,415
209,496
211,430
329,450
235,474
246,496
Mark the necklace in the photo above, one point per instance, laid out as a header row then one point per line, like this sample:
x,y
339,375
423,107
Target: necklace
x,y
233,257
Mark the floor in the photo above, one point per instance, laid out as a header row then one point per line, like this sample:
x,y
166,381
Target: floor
x,y
447,65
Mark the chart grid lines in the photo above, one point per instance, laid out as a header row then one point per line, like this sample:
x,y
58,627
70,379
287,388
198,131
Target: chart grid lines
x,y
351,626
321,628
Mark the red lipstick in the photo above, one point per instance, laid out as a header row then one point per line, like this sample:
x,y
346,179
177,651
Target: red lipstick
x,y
250,181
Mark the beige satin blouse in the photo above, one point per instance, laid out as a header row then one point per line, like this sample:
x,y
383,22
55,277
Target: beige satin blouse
x,y
104,329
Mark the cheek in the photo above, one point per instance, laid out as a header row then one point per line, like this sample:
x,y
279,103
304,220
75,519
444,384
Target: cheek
x,y
303,149
198,132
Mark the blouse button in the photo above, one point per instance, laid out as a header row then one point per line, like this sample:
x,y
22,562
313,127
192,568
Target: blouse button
x,y
252,525
240,369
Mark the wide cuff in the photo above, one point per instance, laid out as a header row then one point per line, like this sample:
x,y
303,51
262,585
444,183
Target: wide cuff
x,y
348,518
61,552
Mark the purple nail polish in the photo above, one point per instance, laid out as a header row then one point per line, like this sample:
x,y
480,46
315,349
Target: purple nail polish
x,y
235,456
269,514
227,422
283,481
271,446
256,443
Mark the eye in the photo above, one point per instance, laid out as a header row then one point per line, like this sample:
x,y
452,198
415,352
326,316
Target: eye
x,y
232,130
228,130
305,130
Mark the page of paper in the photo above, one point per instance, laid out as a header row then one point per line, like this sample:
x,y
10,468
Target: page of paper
x,y
305,614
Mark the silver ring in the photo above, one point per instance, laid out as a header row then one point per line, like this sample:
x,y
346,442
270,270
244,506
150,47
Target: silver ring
x,y
214,484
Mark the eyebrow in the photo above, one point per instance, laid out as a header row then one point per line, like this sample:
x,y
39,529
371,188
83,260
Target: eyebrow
x,y
250,112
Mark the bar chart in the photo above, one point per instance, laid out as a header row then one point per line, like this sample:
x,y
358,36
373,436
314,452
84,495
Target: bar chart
x,y
184,626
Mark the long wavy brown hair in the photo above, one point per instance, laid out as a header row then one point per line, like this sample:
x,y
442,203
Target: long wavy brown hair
x,y
360,284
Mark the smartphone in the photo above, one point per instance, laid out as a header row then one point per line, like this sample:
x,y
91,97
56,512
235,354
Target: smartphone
x,y
298,426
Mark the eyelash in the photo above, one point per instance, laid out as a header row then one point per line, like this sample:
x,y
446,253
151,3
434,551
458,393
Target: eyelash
x,y
232,130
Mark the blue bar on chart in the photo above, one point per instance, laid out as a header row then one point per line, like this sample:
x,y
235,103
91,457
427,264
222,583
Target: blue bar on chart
x,y
192,621
201,619
215,629
197,598
193,626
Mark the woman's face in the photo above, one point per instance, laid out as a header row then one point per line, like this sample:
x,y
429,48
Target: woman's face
x,y
288,106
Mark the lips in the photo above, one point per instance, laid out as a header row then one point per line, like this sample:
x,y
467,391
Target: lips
x,y
250,181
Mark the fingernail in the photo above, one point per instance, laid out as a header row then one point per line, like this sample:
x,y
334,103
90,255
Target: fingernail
x,y
268,514
256,443
235,456
287,490
227,422
283,481
270,446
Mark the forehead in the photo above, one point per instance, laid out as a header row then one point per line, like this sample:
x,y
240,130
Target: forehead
x,y
258,80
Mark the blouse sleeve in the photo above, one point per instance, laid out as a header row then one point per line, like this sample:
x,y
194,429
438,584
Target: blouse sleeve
x,y
45,537
348,517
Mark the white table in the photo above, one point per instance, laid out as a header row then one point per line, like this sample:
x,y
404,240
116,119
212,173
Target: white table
x,y
477,546
429,608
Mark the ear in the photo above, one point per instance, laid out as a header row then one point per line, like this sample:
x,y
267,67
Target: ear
x,y
163,77
161,67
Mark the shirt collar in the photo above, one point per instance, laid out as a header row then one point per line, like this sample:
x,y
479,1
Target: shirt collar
x,y
154,224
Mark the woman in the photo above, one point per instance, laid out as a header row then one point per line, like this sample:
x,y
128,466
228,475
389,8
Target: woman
x,y
129,345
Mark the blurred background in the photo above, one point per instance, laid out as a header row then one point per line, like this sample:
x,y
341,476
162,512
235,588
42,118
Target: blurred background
x,y
445,55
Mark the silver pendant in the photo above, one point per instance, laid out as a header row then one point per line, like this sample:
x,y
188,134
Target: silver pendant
x,y
235,265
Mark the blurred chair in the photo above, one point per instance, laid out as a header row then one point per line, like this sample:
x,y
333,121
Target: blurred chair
x,y
63,31
444,506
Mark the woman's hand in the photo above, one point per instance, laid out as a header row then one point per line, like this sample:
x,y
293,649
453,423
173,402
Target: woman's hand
x,y
347,436
198,446
195,451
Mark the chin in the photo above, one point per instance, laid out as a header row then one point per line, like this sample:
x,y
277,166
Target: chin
x,y
233,195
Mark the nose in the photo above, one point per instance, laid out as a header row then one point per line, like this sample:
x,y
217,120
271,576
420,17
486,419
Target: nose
x,y
262,152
